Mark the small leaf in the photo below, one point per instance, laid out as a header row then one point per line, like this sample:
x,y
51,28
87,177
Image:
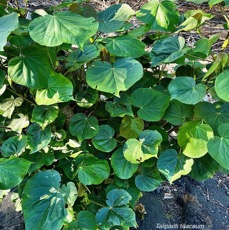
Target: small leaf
x,y
104,140
147,147
69,192
185,90
83,127
160,15
120,76
59,89
152,103
193,138
93,170
117,212
37,138
8,23
13,146
125,46
218,147
131,127
122,168
114,17
62,27
222,85
8,105
43,202
177,112
120,106
44,115
12,171
18,124
148,180
87,97
173,165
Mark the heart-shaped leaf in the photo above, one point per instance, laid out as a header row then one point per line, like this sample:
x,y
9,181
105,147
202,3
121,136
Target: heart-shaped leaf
x,y
114,78
122,168
12,172
32,68
117,212
160,15
177,112
104,140
152,103
173,165
193,138
131,127
44,115
8,23
59,89
148,180
87,97
218,147
37,138
185,90
62,27
114,17
43,201
147,147
83,127
93,170
13,146
125,46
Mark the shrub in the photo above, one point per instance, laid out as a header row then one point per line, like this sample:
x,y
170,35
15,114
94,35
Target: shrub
x,y
91,116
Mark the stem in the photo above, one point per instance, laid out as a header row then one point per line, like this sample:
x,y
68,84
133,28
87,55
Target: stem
x,y
5,127
17,3
97,203
19,95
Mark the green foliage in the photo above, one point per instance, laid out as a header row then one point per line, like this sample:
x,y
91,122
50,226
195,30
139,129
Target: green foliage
x,y
90,117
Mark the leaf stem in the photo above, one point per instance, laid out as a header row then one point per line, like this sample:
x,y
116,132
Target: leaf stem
x,y
17,3
19,95
94,202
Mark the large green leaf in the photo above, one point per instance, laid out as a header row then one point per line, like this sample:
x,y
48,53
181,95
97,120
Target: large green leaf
x,y
204,168
218,147
37,138
152,103
114,17
177,112
83,127
44,115
13,146
8,105
32,68
85,220
222,85
125,46
114,78
214,114
62,27
122,168
131,127
12,172
147,147
117,212
93,170
167,50
173,165
8,23
193,138
104,140
185,90
148,180
43,201
160,15
59,89
120,106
